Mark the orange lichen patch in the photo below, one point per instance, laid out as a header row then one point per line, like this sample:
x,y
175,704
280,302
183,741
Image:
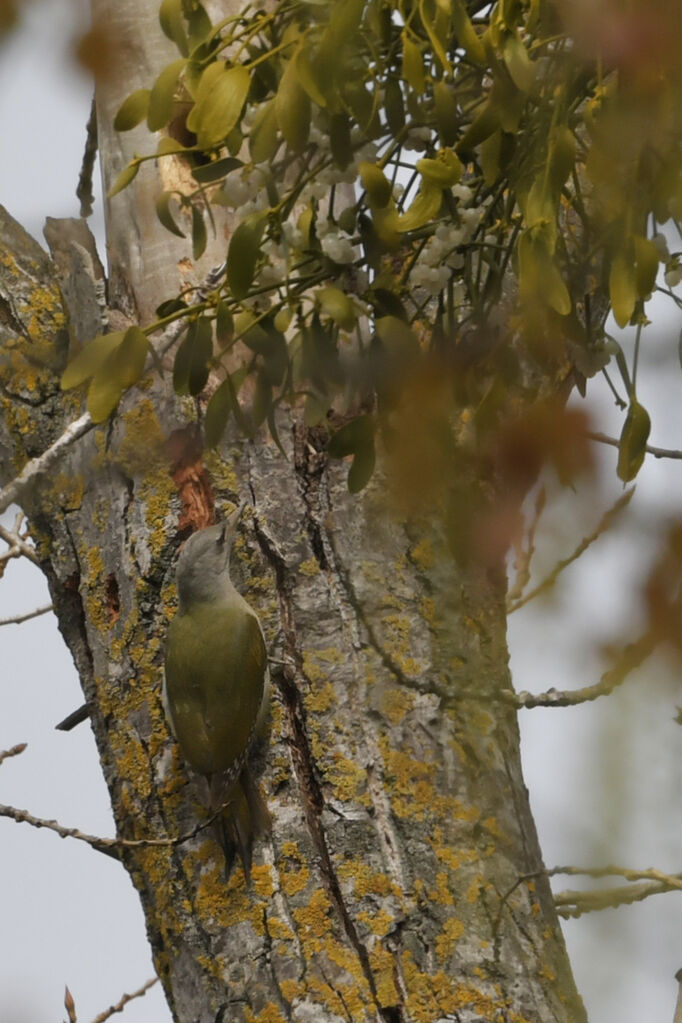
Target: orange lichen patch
x,y
313,919
224,905
433,995
409,783
278,929
396,703
294,881
445,941
348,779
262,881
321,698
383,969
365,880
270,1014
379,923
190,477
441,892
291,989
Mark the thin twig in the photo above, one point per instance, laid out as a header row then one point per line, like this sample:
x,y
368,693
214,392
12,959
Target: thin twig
x,y
633,655
18,619
525,556
16,543
548,581
13,752
119,1007
84,190
109,846
650,450
41,465
575,903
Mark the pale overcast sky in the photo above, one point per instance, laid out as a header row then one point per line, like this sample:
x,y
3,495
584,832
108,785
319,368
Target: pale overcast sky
x,y
604,778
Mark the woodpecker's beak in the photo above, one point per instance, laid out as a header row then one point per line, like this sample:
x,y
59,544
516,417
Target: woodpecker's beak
x,y
232,520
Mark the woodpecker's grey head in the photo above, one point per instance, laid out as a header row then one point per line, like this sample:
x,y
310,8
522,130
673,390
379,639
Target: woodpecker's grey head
x,y
203,569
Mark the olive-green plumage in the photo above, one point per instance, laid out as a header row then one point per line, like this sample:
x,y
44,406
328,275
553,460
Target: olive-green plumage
x,y
216,684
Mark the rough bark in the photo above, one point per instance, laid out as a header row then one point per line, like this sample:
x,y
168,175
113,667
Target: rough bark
x,y
394,885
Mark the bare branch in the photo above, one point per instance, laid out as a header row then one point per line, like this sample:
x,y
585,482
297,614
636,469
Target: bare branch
x,y
650,450
16,543
632,657
524,557
548,582
41,465
575,903
18,619
119,1007
13,752
74,718
109,846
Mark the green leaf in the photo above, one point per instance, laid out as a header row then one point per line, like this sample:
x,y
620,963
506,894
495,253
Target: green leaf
x,y
394,106
132,110
350,437
338,306
562,151
623,289
539,278
444,172
263,137
171,20
262,400
355,438
646,256
397,337
220,98
632,446
413,64
215,170
437,28
218,413
169,306
292,105
191,369
340,141
307,76
482,127
104,395
198,233
466,34
375,183
445,112
242,257
520,66
126,363
224,323
162,94
362,467
127,175
91,356
424,208
165,216
315,409
199,25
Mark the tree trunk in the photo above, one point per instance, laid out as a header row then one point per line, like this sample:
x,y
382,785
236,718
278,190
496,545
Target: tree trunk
x,y
403,878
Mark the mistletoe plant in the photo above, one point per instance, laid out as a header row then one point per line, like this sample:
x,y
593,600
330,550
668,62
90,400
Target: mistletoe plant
x,y
406,178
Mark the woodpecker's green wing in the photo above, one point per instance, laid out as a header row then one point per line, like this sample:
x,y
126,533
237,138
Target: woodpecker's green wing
x,y
215,681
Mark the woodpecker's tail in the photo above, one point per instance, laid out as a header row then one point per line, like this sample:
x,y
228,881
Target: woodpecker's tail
x,y
245,818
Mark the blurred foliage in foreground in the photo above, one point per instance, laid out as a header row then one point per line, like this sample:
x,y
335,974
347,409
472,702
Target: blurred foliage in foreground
x,y
433,199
